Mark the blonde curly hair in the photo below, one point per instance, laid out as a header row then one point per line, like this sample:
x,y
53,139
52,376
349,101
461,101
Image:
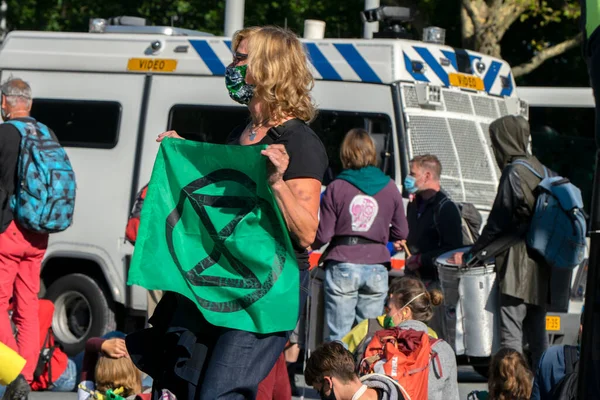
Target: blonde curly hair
x,y
282,78
510,377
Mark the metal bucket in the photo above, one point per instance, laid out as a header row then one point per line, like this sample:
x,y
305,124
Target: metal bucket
x,y
471,307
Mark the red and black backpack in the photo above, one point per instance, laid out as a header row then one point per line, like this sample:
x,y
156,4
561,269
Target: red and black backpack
x,y
133,223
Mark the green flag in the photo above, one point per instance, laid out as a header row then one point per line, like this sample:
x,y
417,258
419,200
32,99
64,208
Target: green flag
x,y
212,231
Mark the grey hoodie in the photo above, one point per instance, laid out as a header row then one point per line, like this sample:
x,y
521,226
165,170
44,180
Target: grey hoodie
x,y
443,385
389,388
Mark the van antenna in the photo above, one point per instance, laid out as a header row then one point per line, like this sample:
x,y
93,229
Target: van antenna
x,y
174,18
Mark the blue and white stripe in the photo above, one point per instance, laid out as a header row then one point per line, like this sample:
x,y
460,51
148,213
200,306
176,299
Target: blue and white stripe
x,y
437,73
372,62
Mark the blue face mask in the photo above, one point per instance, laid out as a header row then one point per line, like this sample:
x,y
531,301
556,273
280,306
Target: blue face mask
x,y
410,184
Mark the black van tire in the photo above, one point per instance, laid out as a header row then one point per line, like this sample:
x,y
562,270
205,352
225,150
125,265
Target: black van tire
x,y
82,311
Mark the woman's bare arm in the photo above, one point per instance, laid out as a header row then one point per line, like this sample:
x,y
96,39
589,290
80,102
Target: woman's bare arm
x,y
297,198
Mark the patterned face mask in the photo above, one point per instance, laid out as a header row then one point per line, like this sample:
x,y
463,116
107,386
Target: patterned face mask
x,y
235,80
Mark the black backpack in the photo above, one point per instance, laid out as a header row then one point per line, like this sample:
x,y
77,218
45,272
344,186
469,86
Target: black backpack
x,y
566,388
470,219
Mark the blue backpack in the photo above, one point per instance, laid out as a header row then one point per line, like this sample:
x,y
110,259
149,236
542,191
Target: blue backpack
x,y
558,229
44,198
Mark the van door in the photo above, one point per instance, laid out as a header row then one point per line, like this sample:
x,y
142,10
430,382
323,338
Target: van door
x,y
95,116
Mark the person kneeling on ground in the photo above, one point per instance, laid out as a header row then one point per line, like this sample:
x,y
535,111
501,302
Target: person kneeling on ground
x,y
410,306
330,371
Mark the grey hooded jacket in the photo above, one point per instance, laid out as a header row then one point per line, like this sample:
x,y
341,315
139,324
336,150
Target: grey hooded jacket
x,y
443,385
521,273
387,387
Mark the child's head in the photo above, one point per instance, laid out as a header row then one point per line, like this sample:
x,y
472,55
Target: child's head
x,y
510,377
113,373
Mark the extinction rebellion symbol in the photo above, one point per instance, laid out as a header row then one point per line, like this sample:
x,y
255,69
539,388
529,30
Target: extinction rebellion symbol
x,y
199,275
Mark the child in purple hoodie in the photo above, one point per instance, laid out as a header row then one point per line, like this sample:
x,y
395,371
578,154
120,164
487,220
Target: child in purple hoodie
x,y
361,211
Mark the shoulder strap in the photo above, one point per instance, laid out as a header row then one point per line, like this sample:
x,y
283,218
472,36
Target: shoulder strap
x,y
435,358
530,168
21,126
437,212
571,358
278,131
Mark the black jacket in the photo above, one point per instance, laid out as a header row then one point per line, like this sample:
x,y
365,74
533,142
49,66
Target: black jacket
x,y
427,239
521,273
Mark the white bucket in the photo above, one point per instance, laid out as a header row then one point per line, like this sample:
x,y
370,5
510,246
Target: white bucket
x,y
471,307
314,29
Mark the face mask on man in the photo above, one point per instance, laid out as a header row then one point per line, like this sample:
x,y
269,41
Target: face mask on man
x,y
410,184
330,396
235,81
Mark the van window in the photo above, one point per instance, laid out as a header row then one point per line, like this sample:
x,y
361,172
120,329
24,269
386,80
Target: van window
x,y
214,124
80,123
206,123
332,126
566,145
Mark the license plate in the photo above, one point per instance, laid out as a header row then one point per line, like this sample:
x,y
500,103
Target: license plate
x,y
552,323
151,65
466,81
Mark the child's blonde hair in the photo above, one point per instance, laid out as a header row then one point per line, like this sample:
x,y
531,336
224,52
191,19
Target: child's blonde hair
x,y
113,373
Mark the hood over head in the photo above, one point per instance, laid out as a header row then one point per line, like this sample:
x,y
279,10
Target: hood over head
x,y
510,138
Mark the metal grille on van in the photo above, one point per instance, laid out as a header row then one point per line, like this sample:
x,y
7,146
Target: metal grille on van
x,y
458,133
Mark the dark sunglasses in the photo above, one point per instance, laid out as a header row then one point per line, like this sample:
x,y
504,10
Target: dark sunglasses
x,y
239,57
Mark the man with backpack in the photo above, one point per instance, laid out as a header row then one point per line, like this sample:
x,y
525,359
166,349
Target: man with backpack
x,y
330,371
523,275
434,224
434,221
34,173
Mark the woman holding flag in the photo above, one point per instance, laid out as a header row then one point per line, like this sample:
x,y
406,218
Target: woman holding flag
x,y
194,349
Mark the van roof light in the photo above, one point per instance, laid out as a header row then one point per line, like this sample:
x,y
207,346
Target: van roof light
x,y
97,25
433,34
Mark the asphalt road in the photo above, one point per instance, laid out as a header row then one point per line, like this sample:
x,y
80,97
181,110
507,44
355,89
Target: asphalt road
x,y
468,379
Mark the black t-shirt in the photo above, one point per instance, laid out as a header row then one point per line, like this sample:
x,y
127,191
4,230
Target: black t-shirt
x,y
308,159
10,141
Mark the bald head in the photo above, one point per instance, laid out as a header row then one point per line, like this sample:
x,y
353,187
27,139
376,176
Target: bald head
x,y
16,98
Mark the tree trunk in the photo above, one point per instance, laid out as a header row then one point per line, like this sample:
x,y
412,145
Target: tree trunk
x,y
467,30
487,41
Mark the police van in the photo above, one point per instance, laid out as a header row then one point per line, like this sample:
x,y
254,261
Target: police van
x,y
107,94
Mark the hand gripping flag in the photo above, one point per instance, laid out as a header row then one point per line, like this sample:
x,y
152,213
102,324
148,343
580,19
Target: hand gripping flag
x,y
212,231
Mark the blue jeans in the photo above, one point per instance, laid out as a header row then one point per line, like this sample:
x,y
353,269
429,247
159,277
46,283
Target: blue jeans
x,y
353,292
241,360
65,383
67,380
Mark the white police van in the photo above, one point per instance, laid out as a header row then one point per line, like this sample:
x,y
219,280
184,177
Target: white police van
x,y
108,94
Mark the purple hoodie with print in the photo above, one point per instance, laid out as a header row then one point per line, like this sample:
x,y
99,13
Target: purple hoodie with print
x,y
347,211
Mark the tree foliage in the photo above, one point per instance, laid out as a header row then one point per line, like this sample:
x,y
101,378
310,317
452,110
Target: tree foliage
x,y
486,22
